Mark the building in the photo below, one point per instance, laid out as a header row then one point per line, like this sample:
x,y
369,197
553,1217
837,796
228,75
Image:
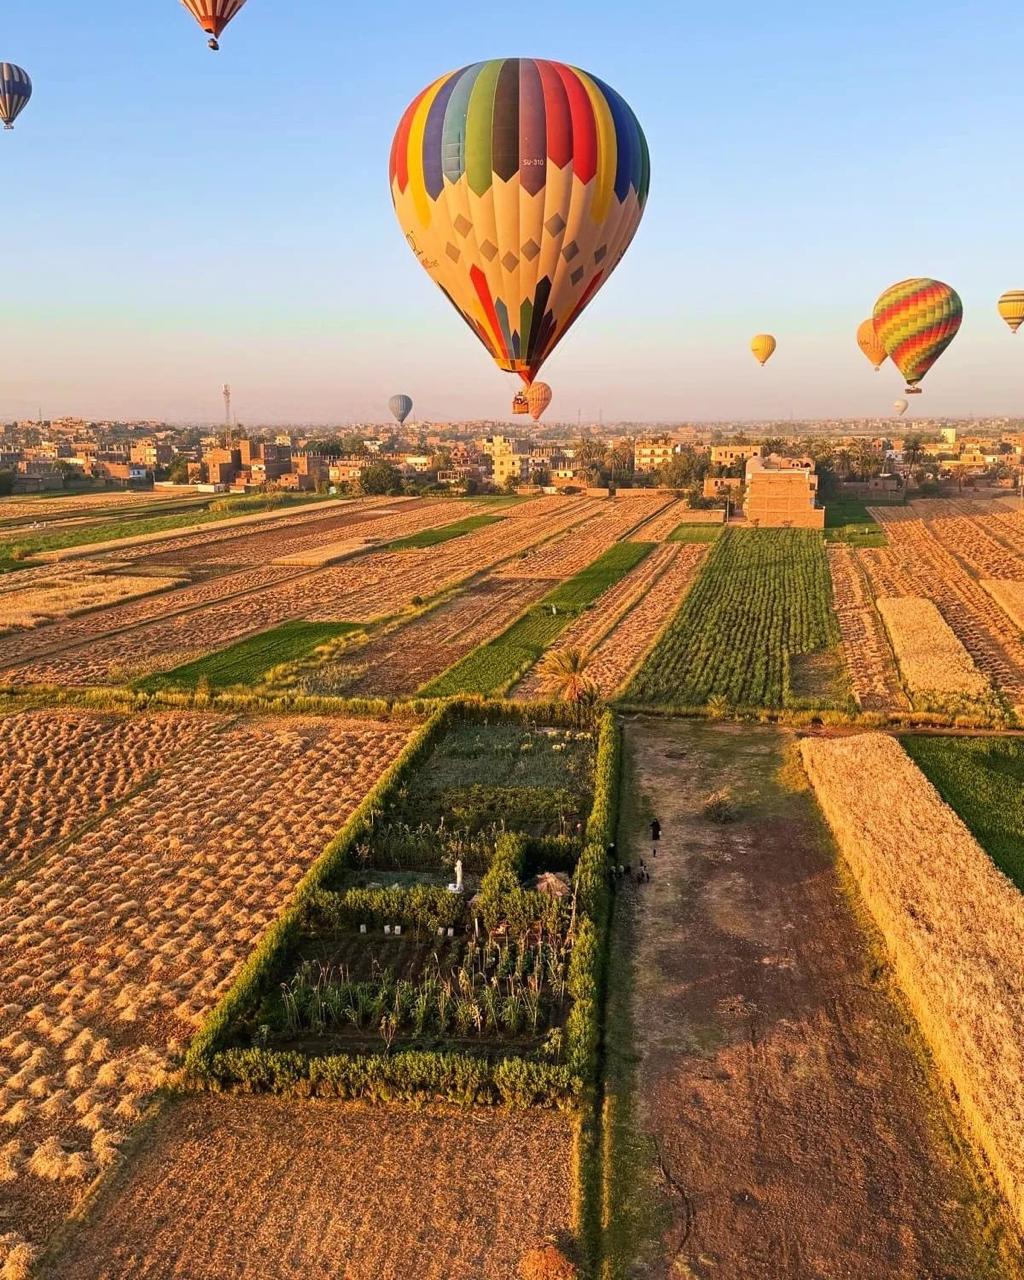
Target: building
x,y
781,497
151,454
722,486
506,459
651,455
728,455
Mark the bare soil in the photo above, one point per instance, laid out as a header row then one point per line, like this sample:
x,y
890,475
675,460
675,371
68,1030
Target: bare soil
x,y
232,1187
767,1093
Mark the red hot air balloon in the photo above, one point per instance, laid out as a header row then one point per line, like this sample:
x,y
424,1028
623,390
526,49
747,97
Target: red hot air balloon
x,y
213,16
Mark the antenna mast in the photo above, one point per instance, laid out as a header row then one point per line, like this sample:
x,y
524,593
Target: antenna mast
x,y
227,405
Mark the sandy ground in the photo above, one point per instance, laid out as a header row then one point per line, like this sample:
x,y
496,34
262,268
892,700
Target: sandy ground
x,y
787,1126
226,1188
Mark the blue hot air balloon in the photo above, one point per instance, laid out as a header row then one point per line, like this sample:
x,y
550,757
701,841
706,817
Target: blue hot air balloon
x,y
15,91
401,407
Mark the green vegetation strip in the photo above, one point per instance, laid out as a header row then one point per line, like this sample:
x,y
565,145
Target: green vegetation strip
x,y
762,599
249,660
849,520
982,779
495,666
696,533
431,537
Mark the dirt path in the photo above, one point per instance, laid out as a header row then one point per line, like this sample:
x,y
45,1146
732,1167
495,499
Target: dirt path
x,y
768,1117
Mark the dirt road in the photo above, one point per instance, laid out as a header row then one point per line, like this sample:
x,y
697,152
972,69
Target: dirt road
x,y
768,1116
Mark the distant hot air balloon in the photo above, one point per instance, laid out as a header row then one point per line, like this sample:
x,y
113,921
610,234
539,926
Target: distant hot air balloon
x,y
15,91
870,343
401,407
538,398
763,346
213,16
1011,308
899,407
916,320
519,184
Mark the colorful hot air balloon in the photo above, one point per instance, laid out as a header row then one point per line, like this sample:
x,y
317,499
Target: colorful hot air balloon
x,y
519,185
15,91
538,398
213,16
1011,308
401,407
899,407
916,320
870,343
763,347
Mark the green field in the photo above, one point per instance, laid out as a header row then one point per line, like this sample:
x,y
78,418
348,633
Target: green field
x,y
432,537
696,533
849,520
249,660
983,780
494,666
761,603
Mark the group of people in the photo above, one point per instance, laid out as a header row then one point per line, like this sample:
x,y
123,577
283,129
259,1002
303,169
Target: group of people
x,y
640,874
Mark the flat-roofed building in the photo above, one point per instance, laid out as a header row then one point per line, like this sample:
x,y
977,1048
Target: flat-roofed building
x,y
782,498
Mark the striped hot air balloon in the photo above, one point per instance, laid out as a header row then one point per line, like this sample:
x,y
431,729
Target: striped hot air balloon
x,y
15,91
519,185
401,407
916,320
1011,308
538,398
870,343
763,346
213,16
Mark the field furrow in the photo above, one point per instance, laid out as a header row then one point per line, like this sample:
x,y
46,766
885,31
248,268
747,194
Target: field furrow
x,y
869,660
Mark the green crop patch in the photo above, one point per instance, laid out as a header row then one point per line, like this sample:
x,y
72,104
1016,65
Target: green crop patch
x,y
850,521
696,533
249,660
982,779
584,587
762,600
433,537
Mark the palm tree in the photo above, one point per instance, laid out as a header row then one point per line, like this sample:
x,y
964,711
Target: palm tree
x,y
563,675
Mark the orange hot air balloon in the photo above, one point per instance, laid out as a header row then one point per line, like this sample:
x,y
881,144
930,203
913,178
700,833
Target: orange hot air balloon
x,y
538,398
870,343
213,16
763,346
1011,308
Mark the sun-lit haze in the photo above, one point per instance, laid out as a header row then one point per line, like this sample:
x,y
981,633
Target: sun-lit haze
x,y
174,219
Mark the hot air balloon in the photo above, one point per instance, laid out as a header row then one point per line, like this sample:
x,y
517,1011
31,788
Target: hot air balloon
x,y
763,346
870,343
916,320
899,407
538,398
1011,308
213,16
519,184
401,407
15,91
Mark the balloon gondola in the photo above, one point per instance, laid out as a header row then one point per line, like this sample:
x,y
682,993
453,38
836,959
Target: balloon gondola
x,y
520,403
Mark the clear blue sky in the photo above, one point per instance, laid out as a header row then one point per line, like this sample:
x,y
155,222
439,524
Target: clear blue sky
x,y
173,218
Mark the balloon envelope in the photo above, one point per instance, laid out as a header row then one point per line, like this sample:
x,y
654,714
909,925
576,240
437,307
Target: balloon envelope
x,y
401,407
213,15
916,321
1011,308
900,407
519,184
15,91
538,398
763,347
870,343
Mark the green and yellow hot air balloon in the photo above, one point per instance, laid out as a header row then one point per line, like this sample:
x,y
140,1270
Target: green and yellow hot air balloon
x,y
915,321
763,346
1011,308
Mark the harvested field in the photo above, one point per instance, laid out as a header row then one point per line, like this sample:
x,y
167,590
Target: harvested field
x,y
82,503
562,557
957,954
118,943
1009,595
60,769
667,520
874,677
63,593
931,658
293,1190
770,1119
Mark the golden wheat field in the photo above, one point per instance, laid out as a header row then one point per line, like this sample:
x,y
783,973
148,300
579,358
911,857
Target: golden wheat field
x,y
120,940
931,658
63,593
952,923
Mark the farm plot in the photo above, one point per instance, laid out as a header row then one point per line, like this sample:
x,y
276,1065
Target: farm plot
x,y
72,504
934,664
46,595
288,1189
116,945
955,954
668,520
562,557
761,602
874,677
61,769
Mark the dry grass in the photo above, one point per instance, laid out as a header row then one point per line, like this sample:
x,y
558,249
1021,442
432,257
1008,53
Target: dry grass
x,y
931,658
62,593
873,676
286,1190
954,926
1009,595
115,947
